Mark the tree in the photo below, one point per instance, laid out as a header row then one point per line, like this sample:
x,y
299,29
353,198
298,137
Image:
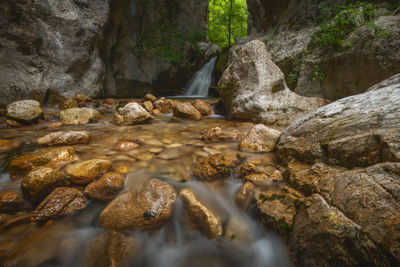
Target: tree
x,y
227,20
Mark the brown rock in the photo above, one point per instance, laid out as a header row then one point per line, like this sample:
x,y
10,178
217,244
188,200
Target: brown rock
x,y
126,146
24,111
111,249
40,182
244,196
203,107
64,138
68,103
164,105
13,123
148,208
7,145
106,188
216,134
110,101
55,124
21,166
215,167
82,100
260,139
186,111
148,106
246,169
11,201
200,216
85,172
62,201
79,116
156,112
150,97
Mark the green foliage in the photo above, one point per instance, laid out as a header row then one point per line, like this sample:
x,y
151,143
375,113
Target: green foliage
x,y
218,21
273,197
339,21
318,74
285,229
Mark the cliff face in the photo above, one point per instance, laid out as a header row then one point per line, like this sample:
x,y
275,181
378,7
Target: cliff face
x,y
287,28
99,47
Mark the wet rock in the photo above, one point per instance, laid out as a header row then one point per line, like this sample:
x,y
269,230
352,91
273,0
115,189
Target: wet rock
x,y
64,138
260,139
245,195
150,97
68,103
55,124
111,249
13,123
62,201
217,134
125,146
148,106
145,156
21,166
131,114
246,169
147,207
40,182
203,107
82,100
156,112
164,105
186,111
215,167
12,201
263,179
86,171
200,216
253,88
171,153
7,145
79,116
106,188
110,101
24,111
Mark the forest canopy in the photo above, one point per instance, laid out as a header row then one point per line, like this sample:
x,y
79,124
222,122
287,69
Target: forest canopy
x,y
227,20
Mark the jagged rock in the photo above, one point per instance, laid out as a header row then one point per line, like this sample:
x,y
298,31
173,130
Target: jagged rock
x,y
200,216
217,134
260,139
40,182
215,167
186,111
24,111
131,114
245,195
62,201
106,188
85,172
64,138
11,201
164,105
150,97
148,106
203,107
253,88
21,166
145,208
111,249
68,103
246,169
79,116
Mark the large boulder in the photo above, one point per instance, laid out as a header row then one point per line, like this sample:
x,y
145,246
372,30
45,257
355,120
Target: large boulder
x,y
145,208
106,188
64,138
86,171
79,116
186,111
253,88
25,111
131,114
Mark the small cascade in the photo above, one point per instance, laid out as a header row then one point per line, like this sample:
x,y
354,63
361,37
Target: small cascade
x,y
201,81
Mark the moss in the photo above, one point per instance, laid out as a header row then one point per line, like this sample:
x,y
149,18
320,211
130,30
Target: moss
x,y
228,86
274,89
222,62
273,197
284,229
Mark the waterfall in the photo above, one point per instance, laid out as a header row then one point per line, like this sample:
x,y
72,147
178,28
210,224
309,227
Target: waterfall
x,y
201,81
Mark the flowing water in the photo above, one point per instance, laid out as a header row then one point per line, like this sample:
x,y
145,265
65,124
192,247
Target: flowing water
x,y
175,146
201,81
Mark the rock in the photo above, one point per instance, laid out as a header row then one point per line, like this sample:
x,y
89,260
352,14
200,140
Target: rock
x,y
245,195
262,179
79,116
82,100
246,169
40,182
200,216
13,123
148,106
260,139
111,249
64,138
86,171
186,111
110,102
156,112
131,114
24,111
253,88
7,146
145,156
164,105
11,202
106,188
62,201
203,107
216,134
68,103
150,97
145,208
21,166
215,167
125,146
55,124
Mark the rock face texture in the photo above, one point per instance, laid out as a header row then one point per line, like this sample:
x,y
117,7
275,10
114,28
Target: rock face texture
x,y
345,158
64,138
25,111
254,88
287,26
